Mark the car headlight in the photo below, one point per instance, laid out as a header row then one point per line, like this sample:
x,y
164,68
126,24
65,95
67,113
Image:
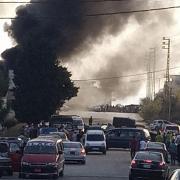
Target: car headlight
x,y
102,144
25,163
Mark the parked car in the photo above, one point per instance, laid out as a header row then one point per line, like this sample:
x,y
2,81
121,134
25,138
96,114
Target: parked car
x,y
95,140
174,128
157,147
74,151
148,165
47,130
14,151
60,135
43,157
159,124
175,175
5,160
121,137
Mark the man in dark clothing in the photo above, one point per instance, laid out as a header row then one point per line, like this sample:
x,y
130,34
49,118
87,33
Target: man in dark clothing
x,y
133,146
178,153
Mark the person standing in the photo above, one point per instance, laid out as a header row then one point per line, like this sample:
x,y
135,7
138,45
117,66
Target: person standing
x,y
178,153
133,146
173,152
142,145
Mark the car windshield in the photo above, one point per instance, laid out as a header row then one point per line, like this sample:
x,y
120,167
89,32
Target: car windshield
x,y
72,145
40,148
47,130
77,122
155,145
149,156
95,137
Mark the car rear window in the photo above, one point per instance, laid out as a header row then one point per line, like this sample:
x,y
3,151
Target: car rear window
x,y
155,145
149,156
172,128
95,137
72,145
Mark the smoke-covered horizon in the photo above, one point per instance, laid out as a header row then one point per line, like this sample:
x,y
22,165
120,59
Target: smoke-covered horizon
x,y
95,47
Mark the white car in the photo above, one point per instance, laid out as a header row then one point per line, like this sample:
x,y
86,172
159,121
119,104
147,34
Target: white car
x,y
174,128
95,140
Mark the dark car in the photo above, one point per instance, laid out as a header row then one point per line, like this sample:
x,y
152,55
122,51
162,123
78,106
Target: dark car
x,y
5,160
175,175
157,147
14,151
148,165
121,137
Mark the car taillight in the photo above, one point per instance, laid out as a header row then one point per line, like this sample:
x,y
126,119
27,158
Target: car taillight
x,y
83,151
133,164
161,164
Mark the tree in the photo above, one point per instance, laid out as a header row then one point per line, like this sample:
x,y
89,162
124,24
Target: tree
x,y
42,85
3,90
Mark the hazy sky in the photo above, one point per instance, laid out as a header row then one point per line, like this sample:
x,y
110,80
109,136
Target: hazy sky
x,y
121,53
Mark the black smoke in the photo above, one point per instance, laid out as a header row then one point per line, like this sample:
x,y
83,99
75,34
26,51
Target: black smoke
x,y
68,30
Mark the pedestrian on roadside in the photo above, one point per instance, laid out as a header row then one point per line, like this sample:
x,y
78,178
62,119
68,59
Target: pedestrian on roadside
x,y
142,144
159,137
133,146
178,153
173,152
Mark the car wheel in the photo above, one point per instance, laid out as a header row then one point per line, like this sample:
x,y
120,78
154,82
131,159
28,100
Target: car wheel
x,y
83,162
10,172
55,176
104,152
131,178
21,176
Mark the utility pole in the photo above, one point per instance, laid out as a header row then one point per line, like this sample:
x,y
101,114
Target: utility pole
x,y
151,63
166,45
153,60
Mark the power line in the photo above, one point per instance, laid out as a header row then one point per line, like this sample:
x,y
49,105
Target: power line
x,y
108,13
125,76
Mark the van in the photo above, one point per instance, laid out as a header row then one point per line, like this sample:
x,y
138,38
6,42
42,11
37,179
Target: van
x,y
121,137
43,157
95,140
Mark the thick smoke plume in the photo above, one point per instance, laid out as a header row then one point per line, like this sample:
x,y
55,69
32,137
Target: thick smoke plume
x,y
64,25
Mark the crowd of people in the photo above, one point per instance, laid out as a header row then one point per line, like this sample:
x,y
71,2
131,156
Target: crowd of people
x,y
168,139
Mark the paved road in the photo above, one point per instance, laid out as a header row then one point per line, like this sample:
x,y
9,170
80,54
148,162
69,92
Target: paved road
x,y
112,166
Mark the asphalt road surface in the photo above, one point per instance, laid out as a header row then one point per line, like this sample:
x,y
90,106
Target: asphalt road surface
x,y
114,165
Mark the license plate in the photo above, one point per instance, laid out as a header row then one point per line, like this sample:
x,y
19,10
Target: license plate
x,y
147,166
95,149
37,170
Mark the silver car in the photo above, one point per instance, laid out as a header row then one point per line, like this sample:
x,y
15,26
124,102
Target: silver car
x,y
74,151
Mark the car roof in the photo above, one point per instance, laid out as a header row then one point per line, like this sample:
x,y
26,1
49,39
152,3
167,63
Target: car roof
x,y
71,142
94,131
156,143
45,139
126,128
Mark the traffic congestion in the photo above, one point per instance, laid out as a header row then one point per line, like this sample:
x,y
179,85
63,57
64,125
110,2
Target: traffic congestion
x,y
45,150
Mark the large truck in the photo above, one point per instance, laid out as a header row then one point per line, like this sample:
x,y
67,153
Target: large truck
x,y
119,122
